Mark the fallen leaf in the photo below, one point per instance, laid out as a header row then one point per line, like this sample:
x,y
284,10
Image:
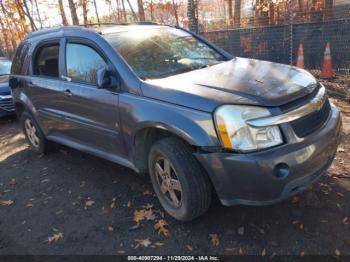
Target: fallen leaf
x,y
158,244
29,205
337,252
161,227
89,203
142,243
113,204
110,228
339,194
55,237
214,238
263,253
345,220
6,202
341,150
12,182
241,253
189,248
143,214
147,192
128,204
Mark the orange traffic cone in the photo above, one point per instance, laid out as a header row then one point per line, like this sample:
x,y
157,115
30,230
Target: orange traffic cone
x,y
300,60
327,69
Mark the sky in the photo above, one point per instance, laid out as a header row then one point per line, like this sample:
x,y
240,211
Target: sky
x,y
50,13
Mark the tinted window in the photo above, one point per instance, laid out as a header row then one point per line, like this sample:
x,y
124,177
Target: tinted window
x,y
46,61
162,52
83,62
18,61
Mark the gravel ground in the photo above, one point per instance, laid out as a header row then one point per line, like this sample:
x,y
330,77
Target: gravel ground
x,y
68,202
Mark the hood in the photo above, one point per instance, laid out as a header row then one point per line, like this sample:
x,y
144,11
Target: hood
x,y
4,85
238,81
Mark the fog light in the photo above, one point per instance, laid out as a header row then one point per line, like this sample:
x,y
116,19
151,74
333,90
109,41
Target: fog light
x,y
281,170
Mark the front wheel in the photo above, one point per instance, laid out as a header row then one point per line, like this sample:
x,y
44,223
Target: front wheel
x,y
180,182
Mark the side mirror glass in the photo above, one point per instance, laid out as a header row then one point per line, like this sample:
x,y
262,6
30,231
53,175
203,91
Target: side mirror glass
x,y
103,78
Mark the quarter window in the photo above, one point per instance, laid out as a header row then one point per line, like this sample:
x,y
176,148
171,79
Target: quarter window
x,y
83,62
46,61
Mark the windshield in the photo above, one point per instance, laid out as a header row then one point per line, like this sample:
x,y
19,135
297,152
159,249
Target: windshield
x,y
5,67
162,52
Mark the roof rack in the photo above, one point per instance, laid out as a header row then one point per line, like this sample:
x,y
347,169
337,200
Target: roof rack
x,y
113,24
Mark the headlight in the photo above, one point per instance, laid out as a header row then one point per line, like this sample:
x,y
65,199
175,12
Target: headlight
x,y
235,134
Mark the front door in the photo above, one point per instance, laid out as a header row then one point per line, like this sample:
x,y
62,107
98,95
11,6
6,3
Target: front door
x,y
91,114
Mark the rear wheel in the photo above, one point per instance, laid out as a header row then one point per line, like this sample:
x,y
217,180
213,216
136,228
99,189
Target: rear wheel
x,y
34,136
180,182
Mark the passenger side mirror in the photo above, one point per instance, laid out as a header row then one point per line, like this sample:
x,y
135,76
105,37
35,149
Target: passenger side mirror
x,y
103,78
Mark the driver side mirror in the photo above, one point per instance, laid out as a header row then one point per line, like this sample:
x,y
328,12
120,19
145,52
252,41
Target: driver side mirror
x,y
103,78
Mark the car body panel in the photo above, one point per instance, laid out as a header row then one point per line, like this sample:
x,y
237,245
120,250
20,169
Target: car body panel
x,y
238,81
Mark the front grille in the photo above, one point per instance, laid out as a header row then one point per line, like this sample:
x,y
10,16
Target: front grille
x,y
7,104
308,124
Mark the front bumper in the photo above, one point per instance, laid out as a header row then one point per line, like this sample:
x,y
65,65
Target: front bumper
x,y
251,179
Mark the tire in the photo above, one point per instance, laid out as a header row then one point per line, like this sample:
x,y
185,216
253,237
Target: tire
x,y
36,138
193,189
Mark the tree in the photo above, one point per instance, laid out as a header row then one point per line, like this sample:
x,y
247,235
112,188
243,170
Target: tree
x,y
175,12
96,11
38,14
230,12
124,12
142,17
132,10
192,15
73,12
237,15
63,13
83,4
32,24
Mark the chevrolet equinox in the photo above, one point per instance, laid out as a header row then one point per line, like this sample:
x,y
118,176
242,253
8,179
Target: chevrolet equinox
x,y
164,101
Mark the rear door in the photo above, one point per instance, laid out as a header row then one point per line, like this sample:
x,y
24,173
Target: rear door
x,y
91,114
43,85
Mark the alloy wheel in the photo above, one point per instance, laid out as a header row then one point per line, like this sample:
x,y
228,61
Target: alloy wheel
x,y
31,132
168,182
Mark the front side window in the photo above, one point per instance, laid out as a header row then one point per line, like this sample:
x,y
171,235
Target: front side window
x,y
46,61
162,52
83,62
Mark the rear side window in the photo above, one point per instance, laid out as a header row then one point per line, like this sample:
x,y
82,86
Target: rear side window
x,y
83,62
19,58
46,61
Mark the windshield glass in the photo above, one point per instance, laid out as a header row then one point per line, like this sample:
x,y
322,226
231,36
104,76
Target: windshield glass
x,y
161,52
5,67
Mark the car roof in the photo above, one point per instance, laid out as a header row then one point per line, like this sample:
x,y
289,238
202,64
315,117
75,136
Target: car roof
x,y
101,29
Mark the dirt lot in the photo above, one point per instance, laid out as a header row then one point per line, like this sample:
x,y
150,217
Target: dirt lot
x,y
68,202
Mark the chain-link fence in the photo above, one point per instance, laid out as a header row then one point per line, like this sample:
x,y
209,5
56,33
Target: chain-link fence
x,y
274,29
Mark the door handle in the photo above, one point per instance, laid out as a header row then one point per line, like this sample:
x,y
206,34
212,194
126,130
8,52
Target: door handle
x,y
67,92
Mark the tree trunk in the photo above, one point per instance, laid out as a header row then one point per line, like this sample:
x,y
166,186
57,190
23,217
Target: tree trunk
x,y
142,17
230,12
73,12
192,16
328,10
32,24
38,14
175,13
124,12
63,13
237,15
132,10
151,9
96,11
83,4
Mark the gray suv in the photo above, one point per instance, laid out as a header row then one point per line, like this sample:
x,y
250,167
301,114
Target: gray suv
x,y
162,100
